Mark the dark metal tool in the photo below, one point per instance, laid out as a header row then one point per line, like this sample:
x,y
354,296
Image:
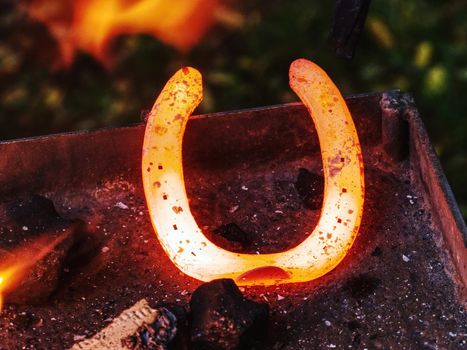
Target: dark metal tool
x,y
349,20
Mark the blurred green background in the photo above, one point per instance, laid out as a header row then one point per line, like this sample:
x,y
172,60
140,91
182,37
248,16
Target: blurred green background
x,y
417,46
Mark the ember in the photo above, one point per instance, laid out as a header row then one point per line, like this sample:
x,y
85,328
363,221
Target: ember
x,y
190,250
21,260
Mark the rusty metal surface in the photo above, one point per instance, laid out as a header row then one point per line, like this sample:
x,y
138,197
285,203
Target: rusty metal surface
x,y
400,287
66,161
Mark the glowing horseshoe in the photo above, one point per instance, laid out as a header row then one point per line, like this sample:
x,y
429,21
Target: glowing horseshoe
x,y
180,236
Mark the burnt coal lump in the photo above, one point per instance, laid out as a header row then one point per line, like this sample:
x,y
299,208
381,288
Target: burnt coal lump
x,y
310,188
222,318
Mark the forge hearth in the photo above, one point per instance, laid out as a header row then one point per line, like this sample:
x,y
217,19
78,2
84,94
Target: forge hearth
x,y
253,185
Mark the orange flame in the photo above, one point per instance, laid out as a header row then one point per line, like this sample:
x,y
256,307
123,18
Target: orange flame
x,y
17,263
180,236
90,25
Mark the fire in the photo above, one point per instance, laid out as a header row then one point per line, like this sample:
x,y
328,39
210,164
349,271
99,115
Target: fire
x,y
90,25
16,265
180,236
6,276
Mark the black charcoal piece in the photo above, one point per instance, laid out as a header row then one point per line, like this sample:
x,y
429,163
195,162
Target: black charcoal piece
x,y
233,233
156,335
310,188
222,318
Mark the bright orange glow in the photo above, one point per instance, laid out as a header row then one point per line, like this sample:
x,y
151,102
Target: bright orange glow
x,y
90,25
21,260
6,278
180,236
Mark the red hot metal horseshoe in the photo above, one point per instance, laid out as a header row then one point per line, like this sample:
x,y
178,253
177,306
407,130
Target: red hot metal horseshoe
x,y
180,236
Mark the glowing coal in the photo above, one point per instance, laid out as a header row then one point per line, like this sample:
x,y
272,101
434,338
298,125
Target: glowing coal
x,y
18,263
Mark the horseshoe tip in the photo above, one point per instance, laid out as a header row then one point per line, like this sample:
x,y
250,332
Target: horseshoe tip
x,y
189,73
302,65
299,72
187,70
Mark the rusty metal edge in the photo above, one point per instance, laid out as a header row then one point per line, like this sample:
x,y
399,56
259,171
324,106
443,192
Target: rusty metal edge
x,y
194,117
426,169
